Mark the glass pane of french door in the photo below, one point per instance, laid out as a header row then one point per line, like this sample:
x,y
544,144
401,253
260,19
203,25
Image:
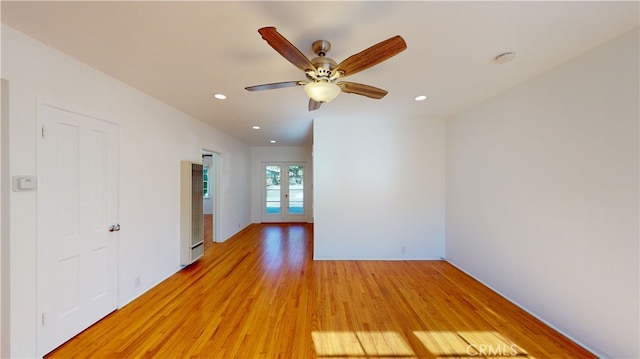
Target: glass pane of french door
x,y
296,189
273,189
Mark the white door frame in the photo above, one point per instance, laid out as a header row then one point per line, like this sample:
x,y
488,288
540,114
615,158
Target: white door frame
x,y
5,324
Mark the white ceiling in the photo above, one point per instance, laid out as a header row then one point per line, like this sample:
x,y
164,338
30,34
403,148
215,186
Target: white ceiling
x,y
184,52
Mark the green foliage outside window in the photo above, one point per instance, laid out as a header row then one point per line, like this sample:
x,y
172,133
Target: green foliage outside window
x,y
205,182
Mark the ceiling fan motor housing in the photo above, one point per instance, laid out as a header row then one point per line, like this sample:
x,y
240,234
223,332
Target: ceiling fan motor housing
x,y
324,65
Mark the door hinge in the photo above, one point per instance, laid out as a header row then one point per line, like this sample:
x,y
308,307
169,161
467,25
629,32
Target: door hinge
x,y
43,132
42,318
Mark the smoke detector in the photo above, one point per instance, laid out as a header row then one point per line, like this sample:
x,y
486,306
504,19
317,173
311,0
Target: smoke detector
x,y
505,57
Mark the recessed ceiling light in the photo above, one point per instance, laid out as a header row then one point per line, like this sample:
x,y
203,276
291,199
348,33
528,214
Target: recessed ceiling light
x,y
255,127
505,57
420,98
273,141
220,96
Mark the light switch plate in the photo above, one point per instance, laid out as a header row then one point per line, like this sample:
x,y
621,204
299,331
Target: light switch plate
x,y
24,183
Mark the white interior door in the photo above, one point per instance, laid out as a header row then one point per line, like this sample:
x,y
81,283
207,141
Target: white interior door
x,y
284,192
77,224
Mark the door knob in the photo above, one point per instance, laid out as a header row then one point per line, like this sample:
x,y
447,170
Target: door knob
x,y
114,228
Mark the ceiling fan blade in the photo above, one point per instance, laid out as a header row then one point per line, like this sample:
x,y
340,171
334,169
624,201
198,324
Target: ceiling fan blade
x,y
361,89
285,48
371,56
276,85
314,105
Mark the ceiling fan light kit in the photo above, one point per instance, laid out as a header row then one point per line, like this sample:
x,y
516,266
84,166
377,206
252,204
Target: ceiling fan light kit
x,y
322,91
323,72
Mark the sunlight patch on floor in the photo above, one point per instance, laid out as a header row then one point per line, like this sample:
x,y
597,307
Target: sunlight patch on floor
x,y
361,345
469,344
441,344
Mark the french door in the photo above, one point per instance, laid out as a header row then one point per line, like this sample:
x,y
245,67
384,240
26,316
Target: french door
x,y
284,192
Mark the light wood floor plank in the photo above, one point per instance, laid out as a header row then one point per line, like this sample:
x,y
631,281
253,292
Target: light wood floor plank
x,y
260,295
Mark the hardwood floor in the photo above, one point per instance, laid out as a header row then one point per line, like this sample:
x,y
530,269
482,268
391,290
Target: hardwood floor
x,y
260,295
208,230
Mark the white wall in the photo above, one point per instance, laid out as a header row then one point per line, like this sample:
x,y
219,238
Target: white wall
x,y
379,188
153,138
262,154
542,196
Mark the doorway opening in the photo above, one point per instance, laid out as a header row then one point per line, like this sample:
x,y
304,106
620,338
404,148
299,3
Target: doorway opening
x,y
210,202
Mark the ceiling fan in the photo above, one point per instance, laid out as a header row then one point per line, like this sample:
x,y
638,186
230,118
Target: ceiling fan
x,y
322,72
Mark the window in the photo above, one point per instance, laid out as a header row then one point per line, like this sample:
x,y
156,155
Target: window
x,y
205,181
